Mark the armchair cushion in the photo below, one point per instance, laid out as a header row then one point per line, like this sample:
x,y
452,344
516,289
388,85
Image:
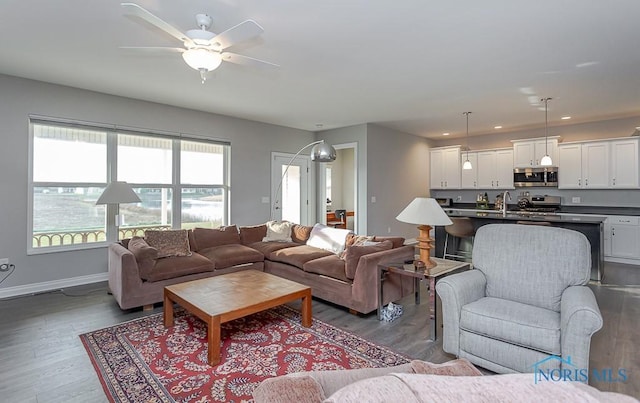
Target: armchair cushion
x,y
510,254
526,325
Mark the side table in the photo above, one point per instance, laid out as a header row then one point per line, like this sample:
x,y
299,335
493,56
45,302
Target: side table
x,y
444,268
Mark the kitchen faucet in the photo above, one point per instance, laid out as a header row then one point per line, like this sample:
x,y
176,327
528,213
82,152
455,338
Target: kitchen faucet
x,y
504,202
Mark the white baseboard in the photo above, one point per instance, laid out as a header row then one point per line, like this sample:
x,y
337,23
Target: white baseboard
x,y
52,285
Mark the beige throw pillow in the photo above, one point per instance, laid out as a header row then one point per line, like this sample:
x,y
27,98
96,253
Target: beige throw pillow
x,y
169,242
278,231
459,367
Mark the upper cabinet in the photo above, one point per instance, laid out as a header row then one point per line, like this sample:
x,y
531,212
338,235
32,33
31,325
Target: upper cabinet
x,y
495,169
445,168
528,153
604,164
470,176
624,163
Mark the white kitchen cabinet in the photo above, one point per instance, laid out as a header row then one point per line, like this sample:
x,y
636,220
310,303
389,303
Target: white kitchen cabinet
x,y
622,238
583,165
495,169
528,153
469,177
624,164
445,168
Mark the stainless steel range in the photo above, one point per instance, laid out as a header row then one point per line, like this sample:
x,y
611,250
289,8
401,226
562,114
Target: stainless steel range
x,y
538,205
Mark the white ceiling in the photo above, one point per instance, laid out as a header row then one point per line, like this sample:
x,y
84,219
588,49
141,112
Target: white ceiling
x,y
411,65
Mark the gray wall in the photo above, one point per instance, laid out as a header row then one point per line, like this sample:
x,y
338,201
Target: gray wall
x,y
251,147
398,169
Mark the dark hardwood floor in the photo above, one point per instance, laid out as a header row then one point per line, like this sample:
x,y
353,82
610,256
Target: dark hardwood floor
x,y
43,360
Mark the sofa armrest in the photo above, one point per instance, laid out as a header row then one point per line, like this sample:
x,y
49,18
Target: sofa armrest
x,y
365,281
124,274
580,318
455,291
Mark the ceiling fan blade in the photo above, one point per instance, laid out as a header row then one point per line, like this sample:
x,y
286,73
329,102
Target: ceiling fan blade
x,y
137,11
152,49
241,32
246,60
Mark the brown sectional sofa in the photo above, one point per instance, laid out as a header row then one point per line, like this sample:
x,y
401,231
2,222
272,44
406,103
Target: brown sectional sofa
x,y
137,277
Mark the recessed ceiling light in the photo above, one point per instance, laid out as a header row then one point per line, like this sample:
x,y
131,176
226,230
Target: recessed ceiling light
x,y
497,127
445,134
565,117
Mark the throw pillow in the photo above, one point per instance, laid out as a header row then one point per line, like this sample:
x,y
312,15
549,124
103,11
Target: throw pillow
x,y
278,231
141,249
210,237
328,238
355,240
353,253
459,367
286,389
169,242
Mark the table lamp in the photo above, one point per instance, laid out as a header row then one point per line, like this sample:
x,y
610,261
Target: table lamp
x,y
116,193
426,212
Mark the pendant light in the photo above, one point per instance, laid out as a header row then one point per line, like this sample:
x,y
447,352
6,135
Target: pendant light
x,y
546,160
467,163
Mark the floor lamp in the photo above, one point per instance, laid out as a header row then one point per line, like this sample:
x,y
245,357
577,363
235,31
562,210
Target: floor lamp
x,y
426,212
116,193
321,152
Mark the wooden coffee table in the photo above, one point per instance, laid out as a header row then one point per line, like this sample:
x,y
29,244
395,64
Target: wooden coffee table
x,y
223,298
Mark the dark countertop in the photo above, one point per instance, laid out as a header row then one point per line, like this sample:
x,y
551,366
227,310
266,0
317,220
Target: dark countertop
x,y
603,210
497,215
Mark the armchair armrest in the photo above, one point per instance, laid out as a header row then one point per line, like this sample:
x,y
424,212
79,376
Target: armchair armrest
x,y
455,291
124,274
580,318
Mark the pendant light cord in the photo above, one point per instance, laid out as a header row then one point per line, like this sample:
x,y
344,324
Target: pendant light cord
x,y
546,125
467,114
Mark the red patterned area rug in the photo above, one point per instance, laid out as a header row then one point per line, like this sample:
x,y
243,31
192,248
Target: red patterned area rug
x,y
142,361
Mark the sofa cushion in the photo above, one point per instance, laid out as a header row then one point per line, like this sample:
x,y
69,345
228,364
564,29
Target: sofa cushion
x,y
297,255
252,234
328,238
330,266
267,247
278,231
459,367
145,255
300,233
209,237
177,266
396,241
285,389
513,322
231,255
352,256
169,242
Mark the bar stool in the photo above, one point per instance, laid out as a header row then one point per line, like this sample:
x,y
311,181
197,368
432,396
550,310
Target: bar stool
x,y
461,229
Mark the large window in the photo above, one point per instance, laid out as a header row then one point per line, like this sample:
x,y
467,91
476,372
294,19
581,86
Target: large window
x,y
182,183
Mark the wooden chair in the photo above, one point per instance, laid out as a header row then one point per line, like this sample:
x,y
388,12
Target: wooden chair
x,y
340,215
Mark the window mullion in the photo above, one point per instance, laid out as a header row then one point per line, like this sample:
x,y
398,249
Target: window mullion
x,y
176,211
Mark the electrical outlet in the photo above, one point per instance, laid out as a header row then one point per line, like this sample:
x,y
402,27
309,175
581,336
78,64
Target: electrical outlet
x,y
373,199
265,199
459,198
575,200
388,230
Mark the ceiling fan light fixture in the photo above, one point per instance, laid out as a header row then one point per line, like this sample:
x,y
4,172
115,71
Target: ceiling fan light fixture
x,y
202,59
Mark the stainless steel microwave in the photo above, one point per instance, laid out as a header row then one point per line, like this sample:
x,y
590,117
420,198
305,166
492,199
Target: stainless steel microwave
x,y
539,176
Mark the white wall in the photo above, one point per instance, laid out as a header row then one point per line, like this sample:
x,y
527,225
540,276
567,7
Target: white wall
x,y
251,147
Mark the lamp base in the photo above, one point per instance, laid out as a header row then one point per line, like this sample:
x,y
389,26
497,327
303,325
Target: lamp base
x,y
425,243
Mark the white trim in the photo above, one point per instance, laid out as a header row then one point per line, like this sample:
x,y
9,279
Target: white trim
x,y
30,289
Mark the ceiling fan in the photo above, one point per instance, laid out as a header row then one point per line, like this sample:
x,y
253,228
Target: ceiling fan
x,y
203,50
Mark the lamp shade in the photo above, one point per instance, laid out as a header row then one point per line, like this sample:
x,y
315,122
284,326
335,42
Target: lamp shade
x,y
202,59
118,192
323,152
424,211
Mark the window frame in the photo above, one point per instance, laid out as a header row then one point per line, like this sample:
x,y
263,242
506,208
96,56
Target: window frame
x,y
112,132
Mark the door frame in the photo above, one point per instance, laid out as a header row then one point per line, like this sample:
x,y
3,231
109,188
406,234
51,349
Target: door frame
x,y
306,213
322,191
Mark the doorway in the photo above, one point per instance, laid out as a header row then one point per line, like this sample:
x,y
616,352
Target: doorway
x,y
290,188
340,186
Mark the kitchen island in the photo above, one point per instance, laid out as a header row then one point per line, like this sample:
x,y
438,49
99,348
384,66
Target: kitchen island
x,y
590,226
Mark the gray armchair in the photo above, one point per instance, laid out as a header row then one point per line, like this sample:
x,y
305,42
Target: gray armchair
x,y
525,306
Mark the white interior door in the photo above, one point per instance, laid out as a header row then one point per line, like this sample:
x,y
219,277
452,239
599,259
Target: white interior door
x,y
290,188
